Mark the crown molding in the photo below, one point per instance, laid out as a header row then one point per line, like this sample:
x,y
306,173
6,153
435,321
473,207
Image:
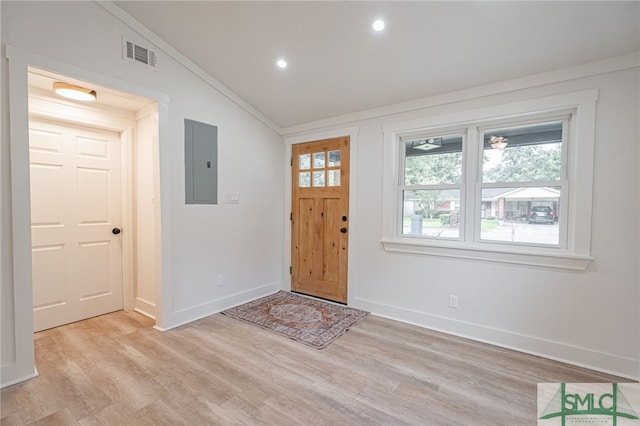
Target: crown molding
x,y
602,66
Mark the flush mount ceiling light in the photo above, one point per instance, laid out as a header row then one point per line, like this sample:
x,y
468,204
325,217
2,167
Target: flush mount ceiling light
x,y
74,92
426,144
378,25
498,142
281,63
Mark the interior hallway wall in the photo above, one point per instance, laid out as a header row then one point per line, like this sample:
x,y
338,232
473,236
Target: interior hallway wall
x,y
242,242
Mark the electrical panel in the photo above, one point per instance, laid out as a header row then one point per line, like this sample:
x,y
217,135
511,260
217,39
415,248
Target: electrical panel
x,y
201,162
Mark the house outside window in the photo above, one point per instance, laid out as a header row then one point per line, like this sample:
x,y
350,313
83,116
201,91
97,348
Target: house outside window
x,y
523,181
495,183
520,186
433,180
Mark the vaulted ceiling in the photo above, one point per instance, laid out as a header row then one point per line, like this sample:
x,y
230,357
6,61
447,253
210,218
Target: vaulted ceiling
x,y
337,64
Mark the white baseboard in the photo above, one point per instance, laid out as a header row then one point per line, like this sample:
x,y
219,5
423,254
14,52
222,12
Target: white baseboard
x,y
10,371
557,351
184,316
145,308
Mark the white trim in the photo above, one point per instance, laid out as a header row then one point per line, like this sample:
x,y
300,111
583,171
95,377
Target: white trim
x,y
550,349
286,257
19,380
162,196
41,106
352,132
39,61
145,307
512,109
70,109
23,366
136,26
487,253
3,281
577,253
603,66
128,253
211,307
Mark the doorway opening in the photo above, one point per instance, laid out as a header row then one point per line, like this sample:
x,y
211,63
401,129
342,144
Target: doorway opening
x,y
95,210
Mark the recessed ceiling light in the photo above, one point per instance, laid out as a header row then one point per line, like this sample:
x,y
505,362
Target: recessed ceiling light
x,y
281,63
378,25
74,92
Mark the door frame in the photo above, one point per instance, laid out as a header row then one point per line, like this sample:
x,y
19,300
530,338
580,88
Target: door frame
x,y
352,133
22,365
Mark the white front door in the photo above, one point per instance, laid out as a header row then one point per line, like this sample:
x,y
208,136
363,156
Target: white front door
x,y
75,216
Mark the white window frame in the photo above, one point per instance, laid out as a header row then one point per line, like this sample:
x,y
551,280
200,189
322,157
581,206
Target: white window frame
x,y
576,205
431,133
566,118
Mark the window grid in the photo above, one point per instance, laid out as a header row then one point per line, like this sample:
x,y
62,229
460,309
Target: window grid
x,y
319,169
471,204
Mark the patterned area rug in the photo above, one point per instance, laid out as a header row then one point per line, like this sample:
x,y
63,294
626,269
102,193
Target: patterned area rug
x,y
313,322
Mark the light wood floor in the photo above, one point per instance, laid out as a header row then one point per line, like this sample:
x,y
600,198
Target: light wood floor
x,y
116,369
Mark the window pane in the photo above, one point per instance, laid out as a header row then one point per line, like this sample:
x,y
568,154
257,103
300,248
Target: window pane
x,y
334,158
305,161
433,161
334,177
431,213
318,178
304,180
523,154
318,160
522,215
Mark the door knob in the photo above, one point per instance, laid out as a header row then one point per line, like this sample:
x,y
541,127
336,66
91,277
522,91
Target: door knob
x,y
115,231
343,230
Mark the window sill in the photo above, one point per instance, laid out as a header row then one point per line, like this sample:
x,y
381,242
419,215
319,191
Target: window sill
x,y
559,260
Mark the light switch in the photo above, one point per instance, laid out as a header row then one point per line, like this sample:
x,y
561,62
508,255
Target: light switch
x,y
233,198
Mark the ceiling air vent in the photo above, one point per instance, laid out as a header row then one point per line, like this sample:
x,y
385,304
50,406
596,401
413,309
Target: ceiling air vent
x,y
136,53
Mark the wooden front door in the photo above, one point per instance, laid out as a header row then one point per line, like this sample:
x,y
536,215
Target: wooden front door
x,y
320,218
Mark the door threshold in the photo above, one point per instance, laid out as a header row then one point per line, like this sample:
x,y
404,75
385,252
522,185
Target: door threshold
x,y
311,296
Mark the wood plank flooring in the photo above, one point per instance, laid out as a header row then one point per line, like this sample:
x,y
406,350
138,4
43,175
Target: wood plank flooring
x,y
117,370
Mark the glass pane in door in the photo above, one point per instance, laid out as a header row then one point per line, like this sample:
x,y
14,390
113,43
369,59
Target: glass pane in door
x,y
333,178
334,158
304,180
318,178
305,161
318,160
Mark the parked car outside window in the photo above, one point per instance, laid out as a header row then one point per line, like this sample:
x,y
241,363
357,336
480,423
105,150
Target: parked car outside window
x,y
541,214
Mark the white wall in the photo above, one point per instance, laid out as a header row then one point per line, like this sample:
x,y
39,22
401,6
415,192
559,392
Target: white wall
x,y
144,180
242,242
587,318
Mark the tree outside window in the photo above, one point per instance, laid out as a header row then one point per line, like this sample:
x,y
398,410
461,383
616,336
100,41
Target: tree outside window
x,y
520,183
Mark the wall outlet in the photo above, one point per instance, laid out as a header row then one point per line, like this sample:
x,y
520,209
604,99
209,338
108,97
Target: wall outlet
x,y
453,301
220,280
